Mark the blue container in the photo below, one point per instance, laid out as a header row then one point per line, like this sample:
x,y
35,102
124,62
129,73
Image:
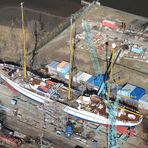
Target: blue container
x,y
53,64
69,129
65,70
137,50
62,75
137,93
96,81
94,144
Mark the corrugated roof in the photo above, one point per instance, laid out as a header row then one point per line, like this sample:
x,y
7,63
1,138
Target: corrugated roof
x,y
143,102
137,93
63,64
144,98
52,67
133,91
76,78
85,76
128,87
96,81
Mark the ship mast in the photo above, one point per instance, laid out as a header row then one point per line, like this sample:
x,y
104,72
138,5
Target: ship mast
x,y
24,40
71,53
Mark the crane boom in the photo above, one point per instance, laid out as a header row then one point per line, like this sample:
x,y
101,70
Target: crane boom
x,y
112,107
91,48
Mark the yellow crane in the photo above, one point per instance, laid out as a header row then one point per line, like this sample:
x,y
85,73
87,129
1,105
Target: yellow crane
x,y
24,40
71,54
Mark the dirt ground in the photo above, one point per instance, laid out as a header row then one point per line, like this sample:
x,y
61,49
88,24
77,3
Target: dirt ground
x,y
37,27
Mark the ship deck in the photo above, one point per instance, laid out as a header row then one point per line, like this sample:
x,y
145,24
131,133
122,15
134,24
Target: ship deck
x,y
96,105
57,91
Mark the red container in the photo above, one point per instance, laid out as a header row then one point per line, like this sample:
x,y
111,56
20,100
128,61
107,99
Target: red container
x,y
43,88
125,131
49,82
14,142
109,24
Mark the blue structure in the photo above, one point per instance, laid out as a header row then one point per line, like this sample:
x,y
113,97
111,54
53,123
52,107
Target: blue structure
x,y
53,64
96,81
94,144
137,50
69,129
132,91
137,93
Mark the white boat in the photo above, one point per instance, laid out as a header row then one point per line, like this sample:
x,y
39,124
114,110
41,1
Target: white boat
x,y
92,109
91,117
26,92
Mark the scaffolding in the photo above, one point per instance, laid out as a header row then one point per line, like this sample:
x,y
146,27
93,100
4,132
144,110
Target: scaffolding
x,y
112,107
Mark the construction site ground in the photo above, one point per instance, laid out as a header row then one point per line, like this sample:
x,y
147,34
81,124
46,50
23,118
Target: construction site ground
x,y
30,120
131,71
58,49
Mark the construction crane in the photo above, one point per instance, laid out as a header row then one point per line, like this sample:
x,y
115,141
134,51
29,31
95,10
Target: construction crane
x,y
112,107
91,48
24,40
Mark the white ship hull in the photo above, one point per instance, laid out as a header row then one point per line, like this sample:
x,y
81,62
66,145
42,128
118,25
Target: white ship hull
x,y
91,117
26,92
82,114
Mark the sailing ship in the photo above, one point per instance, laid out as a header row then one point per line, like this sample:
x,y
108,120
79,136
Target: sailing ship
x,y
91,108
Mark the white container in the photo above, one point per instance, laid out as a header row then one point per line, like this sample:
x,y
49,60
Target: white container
x,y
76,78
52,67
63,67
143,102
85,77
67,76
126,90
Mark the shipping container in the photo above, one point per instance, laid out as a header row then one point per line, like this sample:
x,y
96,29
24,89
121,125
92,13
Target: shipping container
x,y
126,90
133,92
63,67
69,129
143,102
109,24
96,81
49,82
125,130
43,88
52,67
137,50
67,76
85,77
13,141
137,93
76,78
